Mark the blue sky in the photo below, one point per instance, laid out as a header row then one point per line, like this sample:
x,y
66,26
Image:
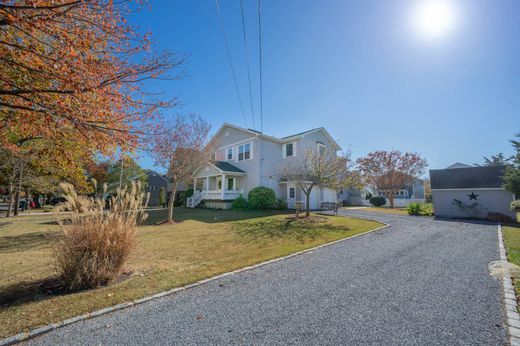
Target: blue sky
x,y
357,68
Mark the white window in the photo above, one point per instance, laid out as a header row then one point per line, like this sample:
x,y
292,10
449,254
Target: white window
x,y
244,152
292,192
321,149
289,149
229,154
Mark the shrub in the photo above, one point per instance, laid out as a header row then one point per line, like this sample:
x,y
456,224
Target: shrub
x,y
281,204
261,198
378,201
499,217
96,243
368,196
420,209
428,198
414,209
515,206
240,203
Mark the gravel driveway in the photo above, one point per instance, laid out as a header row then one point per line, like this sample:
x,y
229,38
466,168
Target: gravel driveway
x,y
421,281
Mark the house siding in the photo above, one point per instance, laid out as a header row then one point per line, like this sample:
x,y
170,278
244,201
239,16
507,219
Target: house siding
x,y
266,172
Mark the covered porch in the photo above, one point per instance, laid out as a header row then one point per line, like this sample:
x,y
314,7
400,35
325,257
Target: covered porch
x,y
220,187
220,181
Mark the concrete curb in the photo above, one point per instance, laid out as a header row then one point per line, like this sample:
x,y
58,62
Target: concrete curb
x,y
513,318
50,327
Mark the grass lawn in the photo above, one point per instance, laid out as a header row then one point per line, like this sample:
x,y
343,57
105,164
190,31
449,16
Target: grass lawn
x,y
202,244
512,242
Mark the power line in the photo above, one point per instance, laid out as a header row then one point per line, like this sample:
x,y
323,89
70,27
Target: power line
x,y
247,62
230,60
261,84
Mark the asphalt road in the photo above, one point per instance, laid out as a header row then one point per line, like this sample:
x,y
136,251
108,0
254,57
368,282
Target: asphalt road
x,y
421,281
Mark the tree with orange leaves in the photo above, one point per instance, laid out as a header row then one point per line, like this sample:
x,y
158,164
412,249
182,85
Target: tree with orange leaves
x,y
74,71
390,171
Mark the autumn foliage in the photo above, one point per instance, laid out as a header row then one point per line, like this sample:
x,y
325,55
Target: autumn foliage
x,y
390,171
75,71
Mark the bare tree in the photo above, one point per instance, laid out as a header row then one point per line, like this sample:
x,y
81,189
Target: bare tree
x,y
324,170
181,147
389,171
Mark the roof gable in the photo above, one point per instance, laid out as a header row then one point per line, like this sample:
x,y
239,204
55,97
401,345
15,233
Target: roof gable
x,y
286,139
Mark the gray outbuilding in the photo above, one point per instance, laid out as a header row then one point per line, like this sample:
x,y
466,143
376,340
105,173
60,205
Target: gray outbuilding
x,y
470,192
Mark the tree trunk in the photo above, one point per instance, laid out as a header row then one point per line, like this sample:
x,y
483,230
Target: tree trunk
x,y
391,199
307,204
18,190
11,200
26,198
171,202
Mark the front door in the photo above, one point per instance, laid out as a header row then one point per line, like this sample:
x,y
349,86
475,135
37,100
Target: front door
x,y
291,195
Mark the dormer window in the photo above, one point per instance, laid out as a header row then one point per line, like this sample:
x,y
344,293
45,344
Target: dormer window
x,y
321,148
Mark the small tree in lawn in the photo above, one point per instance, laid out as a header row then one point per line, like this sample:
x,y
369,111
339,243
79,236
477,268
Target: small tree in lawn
x,y
389,171
162,196
512,172
315,169
181,147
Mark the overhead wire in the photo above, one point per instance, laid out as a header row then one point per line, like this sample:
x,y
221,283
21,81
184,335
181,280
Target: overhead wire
x,y
247,62
221,24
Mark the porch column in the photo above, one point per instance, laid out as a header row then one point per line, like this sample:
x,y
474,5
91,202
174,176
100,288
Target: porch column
x,y
194,184
223,185
207,184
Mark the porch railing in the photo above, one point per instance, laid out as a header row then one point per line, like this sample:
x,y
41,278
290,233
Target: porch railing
x,y
217,194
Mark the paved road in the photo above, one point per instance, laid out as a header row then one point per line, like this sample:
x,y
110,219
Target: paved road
x,y
420,281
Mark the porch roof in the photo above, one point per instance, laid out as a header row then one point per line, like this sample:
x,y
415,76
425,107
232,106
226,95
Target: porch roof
x,y
226,167
217,168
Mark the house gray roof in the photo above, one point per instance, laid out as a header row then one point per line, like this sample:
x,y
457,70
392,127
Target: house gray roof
x,y
467,178
458,165
298,134
227,167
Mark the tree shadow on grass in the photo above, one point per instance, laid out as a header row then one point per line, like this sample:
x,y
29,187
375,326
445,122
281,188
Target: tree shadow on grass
x,y
288,227
24,292
208,215
27,241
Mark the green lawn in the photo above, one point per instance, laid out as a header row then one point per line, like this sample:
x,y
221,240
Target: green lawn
x,y
512,242
203,243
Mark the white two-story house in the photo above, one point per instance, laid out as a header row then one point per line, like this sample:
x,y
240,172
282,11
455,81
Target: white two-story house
x,y
245,159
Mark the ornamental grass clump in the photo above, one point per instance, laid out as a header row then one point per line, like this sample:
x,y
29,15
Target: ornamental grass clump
x,y
99,237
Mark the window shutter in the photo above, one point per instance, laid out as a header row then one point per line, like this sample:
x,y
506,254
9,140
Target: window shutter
x,y
284,150
294,149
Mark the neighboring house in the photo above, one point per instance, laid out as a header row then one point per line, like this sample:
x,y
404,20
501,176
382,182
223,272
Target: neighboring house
x,y
245,159
155,182
469,192
414,190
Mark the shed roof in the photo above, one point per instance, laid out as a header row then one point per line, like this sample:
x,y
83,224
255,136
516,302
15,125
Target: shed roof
x,y
467,178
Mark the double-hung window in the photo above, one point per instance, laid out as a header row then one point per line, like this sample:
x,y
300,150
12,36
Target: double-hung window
x,y
289,149
321,149
244,152
229,153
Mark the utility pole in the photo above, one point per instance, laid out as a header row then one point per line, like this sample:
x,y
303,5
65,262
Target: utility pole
x,y
121,173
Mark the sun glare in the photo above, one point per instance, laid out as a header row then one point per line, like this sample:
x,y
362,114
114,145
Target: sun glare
x,y
433,18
